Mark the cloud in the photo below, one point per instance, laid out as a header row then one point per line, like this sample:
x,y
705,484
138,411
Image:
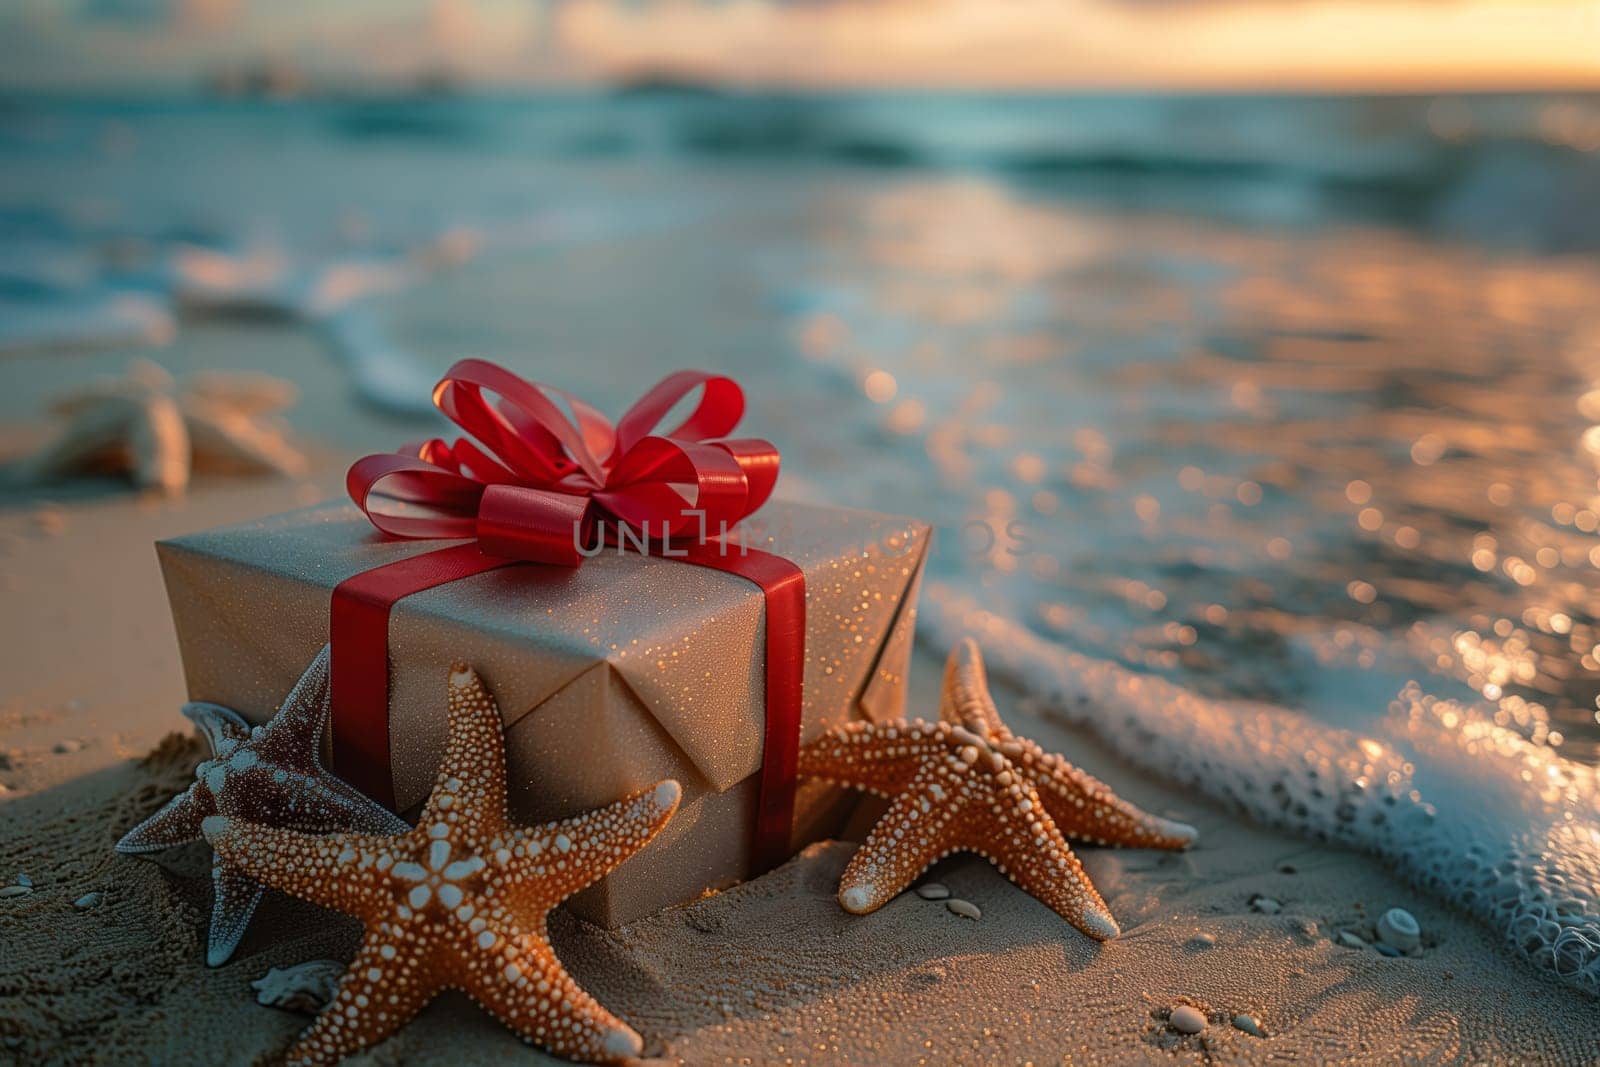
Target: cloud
x,y
1094,43
1407,44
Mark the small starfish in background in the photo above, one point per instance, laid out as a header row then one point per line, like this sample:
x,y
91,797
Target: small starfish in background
x,y
146,426
270,774
459,902
967,783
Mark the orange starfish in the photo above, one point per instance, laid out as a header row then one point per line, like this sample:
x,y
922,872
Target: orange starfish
x,y
967,783
459,902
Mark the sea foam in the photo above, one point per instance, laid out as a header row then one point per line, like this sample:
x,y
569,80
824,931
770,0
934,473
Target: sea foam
x,y
1462,807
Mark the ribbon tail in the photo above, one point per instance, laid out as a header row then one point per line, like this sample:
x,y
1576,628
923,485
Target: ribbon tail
x,y
783,584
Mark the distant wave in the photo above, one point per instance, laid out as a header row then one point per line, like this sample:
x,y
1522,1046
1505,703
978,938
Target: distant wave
x,y
1504,169
416,120
1520,170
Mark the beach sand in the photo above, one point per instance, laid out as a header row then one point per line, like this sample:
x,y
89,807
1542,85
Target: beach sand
x,y
770,972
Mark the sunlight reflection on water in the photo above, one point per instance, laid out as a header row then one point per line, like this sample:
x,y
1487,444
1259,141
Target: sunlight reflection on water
x,y
1249,461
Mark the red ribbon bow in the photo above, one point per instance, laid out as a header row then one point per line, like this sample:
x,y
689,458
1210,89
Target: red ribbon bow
x,y
531,488
541,480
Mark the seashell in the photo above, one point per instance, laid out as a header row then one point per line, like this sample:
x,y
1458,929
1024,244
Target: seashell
x,y
305,987
1265,905
933,891
1398,927
15,891
1187,1020
964,908
88,900
1249,1024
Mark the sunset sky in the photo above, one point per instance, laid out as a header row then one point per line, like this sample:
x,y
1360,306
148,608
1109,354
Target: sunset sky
x,y
1209,44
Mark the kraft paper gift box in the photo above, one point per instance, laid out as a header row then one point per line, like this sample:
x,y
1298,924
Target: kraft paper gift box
x,y
611,676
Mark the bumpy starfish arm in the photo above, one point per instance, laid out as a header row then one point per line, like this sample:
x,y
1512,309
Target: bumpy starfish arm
x,y
95,428
565,856
218,724
236,439
1085,808
914,833
159,443
849,755
235,900
378,994
344,872
294,735
528,989
321,804
177,822
1032,853
470,790
1082,806
964,698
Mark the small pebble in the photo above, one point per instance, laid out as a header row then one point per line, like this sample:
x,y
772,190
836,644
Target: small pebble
x,y
304,987
964,908
1265,905
1398,927
1386,949
15,891
88,900
1249,1024
23,879
1187,1020
1201,941
1349,940
933,891
69,745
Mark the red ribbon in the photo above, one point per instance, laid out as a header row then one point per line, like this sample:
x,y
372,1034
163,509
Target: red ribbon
x,y
538,485
541,480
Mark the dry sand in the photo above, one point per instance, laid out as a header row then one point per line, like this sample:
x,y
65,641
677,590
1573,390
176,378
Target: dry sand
x,y
770,972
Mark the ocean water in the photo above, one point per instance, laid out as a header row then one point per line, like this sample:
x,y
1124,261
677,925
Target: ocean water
x,y
1261,434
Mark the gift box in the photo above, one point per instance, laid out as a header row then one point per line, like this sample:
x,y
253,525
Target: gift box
x,y
611,676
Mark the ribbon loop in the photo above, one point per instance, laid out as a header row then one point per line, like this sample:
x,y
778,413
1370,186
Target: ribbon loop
x,y
720,408
564,474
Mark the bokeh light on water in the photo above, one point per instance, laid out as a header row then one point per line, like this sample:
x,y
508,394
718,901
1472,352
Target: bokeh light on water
x,y
1301,468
